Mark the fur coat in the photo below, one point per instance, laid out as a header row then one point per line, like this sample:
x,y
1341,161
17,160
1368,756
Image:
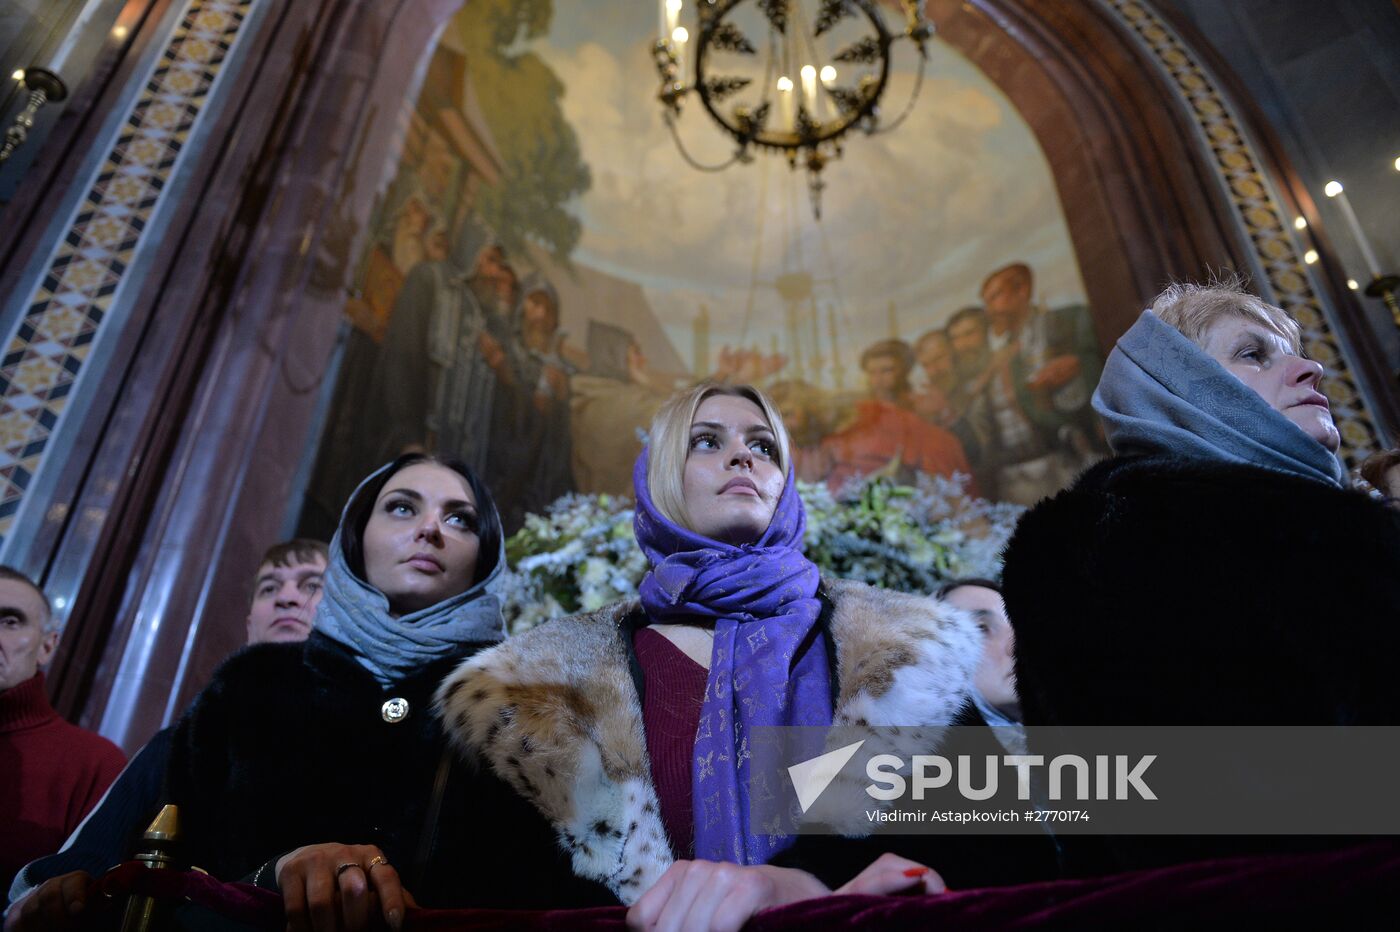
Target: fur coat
x,y
556,712
1166,591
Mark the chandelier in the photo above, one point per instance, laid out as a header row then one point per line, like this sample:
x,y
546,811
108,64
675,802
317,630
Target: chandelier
x,y
784,76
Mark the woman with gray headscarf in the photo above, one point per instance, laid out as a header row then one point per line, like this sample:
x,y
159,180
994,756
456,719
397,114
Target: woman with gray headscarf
x,y
321,770
1216,570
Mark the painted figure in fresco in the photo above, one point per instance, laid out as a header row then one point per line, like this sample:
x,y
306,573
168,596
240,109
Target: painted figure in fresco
x,y
615,398
968,332
955,364
411,230
530,442
617,393
934,352
810,415
885,435
445,354
1034,416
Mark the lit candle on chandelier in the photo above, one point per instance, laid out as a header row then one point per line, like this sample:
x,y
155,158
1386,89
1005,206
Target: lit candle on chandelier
x,y
1335,191
785,108
670,12
809,90
680,37
828,77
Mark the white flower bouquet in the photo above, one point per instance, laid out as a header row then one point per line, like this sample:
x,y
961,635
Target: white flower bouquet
x,y
580,554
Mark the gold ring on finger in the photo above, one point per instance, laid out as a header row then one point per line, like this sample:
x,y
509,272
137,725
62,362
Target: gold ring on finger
x,y
375,861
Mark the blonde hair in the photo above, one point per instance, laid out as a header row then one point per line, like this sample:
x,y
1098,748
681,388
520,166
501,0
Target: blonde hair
x,y
669,445
1192,308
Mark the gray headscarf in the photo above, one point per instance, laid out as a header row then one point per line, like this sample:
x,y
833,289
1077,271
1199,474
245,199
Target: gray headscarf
x,y
356,614
1161,393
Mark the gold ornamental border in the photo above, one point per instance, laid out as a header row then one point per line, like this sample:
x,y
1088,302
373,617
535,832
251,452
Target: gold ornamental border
x,y
68,309
1277,253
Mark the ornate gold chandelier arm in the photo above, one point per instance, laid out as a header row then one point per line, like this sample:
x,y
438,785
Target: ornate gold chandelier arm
x,y
909,106
740,154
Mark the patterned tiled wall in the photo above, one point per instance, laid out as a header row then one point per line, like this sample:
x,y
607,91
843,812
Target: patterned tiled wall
x,y
64,315
1281,274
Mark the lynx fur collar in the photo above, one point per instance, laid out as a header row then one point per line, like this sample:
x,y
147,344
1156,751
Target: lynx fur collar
x,y
556,714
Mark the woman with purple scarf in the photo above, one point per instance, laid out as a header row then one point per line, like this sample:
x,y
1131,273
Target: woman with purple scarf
x,y
628,727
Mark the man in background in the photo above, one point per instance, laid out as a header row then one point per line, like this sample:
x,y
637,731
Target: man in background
x,y
286,591
55,772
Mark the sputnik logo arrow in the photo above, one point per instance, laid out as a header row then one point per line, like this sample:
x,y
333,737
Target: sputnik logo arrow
x,y
811,777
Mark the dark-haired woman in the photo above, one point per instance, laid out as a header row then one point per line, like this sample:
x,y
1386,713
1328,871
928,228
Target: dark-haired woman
x,y
321,770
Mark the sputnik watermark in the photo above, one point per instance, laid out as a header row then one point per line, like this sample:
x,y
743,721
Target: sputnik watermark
x,y
1093,780
890,785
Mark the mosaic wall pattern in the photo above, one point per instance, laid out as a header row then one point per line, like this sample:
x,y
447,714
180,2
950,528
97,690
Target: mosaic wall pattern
x,y
63,317
1281,274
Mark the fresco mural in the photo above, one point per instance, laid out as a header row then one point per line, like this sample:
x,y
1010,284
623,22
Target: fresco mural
x,y
545,269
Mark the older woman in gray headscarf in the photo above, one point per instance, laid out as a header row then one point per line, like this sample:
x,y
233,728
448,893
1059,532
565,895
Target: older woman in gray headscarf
x,y
1216,570
1219,538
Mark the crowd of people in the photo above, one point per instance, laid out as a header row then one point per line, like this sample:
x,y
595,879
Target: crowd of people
x,y
1216,569
999,393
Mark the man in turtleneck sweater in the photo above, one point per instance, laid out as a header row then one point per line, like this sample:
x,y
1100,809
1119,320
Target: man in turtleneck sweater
x,y
54,772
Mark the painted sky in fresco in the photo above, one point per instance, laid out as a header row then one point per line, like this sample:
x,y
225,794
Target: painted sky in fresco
x,y
916,217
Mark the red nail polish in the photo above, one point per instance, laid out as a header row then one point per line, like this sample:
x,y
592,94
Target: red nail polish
x,y
915,871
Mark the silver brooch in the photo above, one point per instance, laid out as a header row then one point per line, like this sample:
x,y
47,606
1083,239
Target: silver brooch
x,y
395,710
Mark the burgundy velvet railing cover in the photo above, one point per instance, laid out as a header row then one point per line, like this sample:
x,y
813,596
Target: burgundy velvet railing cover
x,y
1295,889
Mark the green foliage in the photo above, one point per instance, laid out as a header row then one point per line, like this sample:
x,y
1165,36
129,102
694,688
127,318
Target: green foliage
x,y
519,95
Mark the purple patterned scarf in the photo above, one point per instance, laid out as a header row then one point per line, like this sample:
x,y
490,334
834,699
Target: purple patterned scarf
x,y
761,600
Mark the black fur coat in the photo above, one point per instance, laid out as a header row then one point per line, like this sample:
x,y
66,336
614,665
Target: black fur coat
x,y
1162,591
1171,592
288,747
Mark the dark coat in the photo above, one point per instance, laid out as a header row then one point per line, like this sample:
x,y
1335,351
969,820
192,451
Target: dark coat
x,y
1163,591
287,747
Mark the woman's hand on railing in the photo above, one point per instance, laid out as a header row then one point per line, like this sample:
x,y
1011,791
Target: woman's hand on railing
x,y
712,896
889,874
340,888
717,896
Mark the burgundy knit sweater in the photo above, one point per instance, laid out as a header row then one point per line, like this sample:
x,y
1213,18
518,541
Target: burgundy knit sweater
x,y
675,692
53,773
